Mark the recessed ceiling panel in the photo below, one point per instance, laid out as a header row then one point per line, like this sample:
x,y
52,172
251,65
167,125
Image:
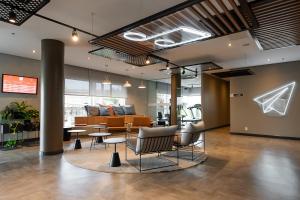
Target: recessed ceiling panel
x,y
18,11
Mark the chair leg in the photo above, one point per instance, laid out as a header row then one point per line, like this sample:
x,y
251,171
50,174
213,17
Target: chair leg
x,y
177,155
91,143
204,141
192,152
125,150
140,162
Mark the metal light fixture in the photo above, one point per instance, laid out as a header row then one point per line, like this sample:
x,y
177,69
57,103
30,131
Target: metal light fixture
x,y
12,17
127,84
183,72
167,66
148,60
196,73
106,81
75,36
142,85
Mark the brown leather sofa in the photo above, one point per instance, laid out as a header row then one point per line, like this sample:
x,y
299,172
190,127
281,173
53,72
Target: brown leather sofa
x,y
96,120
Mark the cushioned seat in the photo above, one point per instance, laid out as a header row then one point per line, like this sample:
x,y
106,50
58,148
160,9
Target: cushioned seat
x,y
152,140
139,122
114,124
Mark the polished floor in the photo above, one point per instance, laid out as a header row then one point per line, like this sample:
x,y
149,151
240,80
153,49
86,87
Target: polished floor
x,y
238,167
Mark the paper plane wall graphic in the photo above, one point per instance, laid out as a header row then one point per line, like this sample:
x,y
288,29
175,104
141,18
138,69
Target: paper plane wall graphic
x,y
277,100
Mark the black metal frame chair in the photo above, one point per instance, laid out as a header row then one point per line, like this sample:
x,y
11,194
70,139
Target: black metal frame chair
x,y
151,145
195,141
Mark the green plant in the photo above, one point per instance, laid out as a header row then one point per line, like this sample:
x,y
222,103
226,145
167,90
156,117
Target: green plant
x,y
19,111
10,144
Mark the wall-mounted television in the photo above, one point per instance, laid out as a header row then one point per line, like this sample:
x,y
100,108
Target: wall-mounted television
x,y
19,84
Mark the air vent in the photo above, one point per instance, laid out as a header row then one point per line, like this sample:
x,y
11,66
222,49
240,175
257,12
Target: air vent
x,y
234,73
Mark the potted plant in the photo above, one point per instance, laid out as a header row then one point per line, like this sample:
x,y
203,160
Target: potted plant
x,y
17,117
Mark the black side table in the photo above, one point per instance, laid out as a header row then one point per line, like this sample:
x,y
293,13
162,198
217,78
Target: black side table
x,y
77,141
115,158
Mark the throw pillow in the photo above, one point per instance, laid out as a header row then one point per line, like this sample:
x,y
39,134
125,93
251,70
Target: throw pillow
x,y
104,111
118,110
92,110
129,109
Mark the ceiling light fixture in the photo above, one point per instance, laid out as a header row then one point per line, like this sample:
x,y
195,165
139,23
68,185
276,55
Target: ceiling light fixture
x,y
141,37
148,60
196,73
106,81
75,36
268,59
135,36
127,84
163,42
167,66
33,51
183,72
229,44
142,85
12,17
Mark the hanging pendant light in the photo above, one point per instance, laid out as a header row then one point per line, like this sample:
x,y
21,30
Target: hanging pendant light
x,y
127,84
75,36
142,85
106,81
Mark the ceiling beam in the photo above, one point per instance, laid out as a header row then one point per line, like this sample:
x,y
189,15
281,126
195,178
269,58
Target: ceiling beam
x,y
221,18
238,13
227,13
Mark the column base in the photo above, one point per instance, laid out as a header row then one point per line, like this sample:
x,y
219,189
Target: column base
x,y
51,153
77,144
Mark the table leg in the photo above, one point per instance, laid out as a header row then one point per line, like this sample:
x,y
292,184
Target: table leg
x,y
115,158
77,143
91,143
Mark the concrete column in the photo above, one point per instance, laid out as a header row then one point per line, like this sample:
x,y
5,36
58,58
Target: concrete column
x,y
52,90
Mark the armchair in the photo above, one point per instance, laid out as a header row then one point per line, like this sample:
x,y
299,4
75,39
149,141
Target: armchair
x,y
190,137
152,140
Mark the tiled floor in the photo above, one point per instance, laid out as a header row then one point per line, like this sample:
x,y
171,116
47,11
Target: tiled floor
x,y
238,167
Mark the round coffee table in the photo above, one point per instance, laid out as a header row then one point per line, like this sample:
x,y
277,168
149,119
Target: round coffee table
x,y
115,158
77,141
99,127
96,136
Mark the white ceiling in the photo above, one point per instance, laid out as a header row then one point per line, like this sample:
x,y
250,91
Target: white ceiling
x,y
113,14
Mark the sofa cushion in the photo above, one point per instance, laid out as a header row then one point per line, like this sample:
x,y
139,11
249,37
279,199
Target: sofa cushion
x,y
129,110
118,110
157,131
92,110
160,143
191,130
104,111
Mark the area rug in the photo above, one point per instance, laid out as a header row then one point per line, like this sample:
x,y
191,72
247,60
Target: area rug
x,y
98,158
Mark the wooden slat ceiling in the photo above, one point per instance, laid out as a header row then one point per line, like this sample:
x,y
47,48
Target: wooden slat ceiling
x,y
219,17
278,23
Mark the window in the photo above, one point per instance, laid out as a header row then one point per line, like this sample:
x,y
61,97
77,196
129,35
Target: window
x,y
77,87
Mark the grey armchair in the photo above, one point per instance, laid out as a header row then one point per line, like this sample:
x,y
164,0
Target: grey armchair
x,y
190,137
152,140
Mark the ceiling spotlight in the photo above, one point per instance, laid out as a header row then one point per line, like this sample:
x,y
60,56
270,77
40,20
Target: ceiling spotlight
x,y
229,44
167,66
75,36
147,60
183,72
33,51
127,84
269,60
12,17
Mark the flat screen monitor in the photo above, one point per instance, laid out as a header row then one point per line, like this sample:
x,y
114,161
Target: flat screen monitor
x,y
19,84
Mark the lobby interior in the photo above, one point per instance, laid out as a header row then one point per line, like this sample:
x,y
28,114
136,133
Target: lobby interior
x,y
140,99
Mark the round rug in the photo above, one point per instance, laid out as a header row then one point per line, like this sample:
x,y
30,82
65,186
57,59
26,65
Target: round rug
x,y
98,159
